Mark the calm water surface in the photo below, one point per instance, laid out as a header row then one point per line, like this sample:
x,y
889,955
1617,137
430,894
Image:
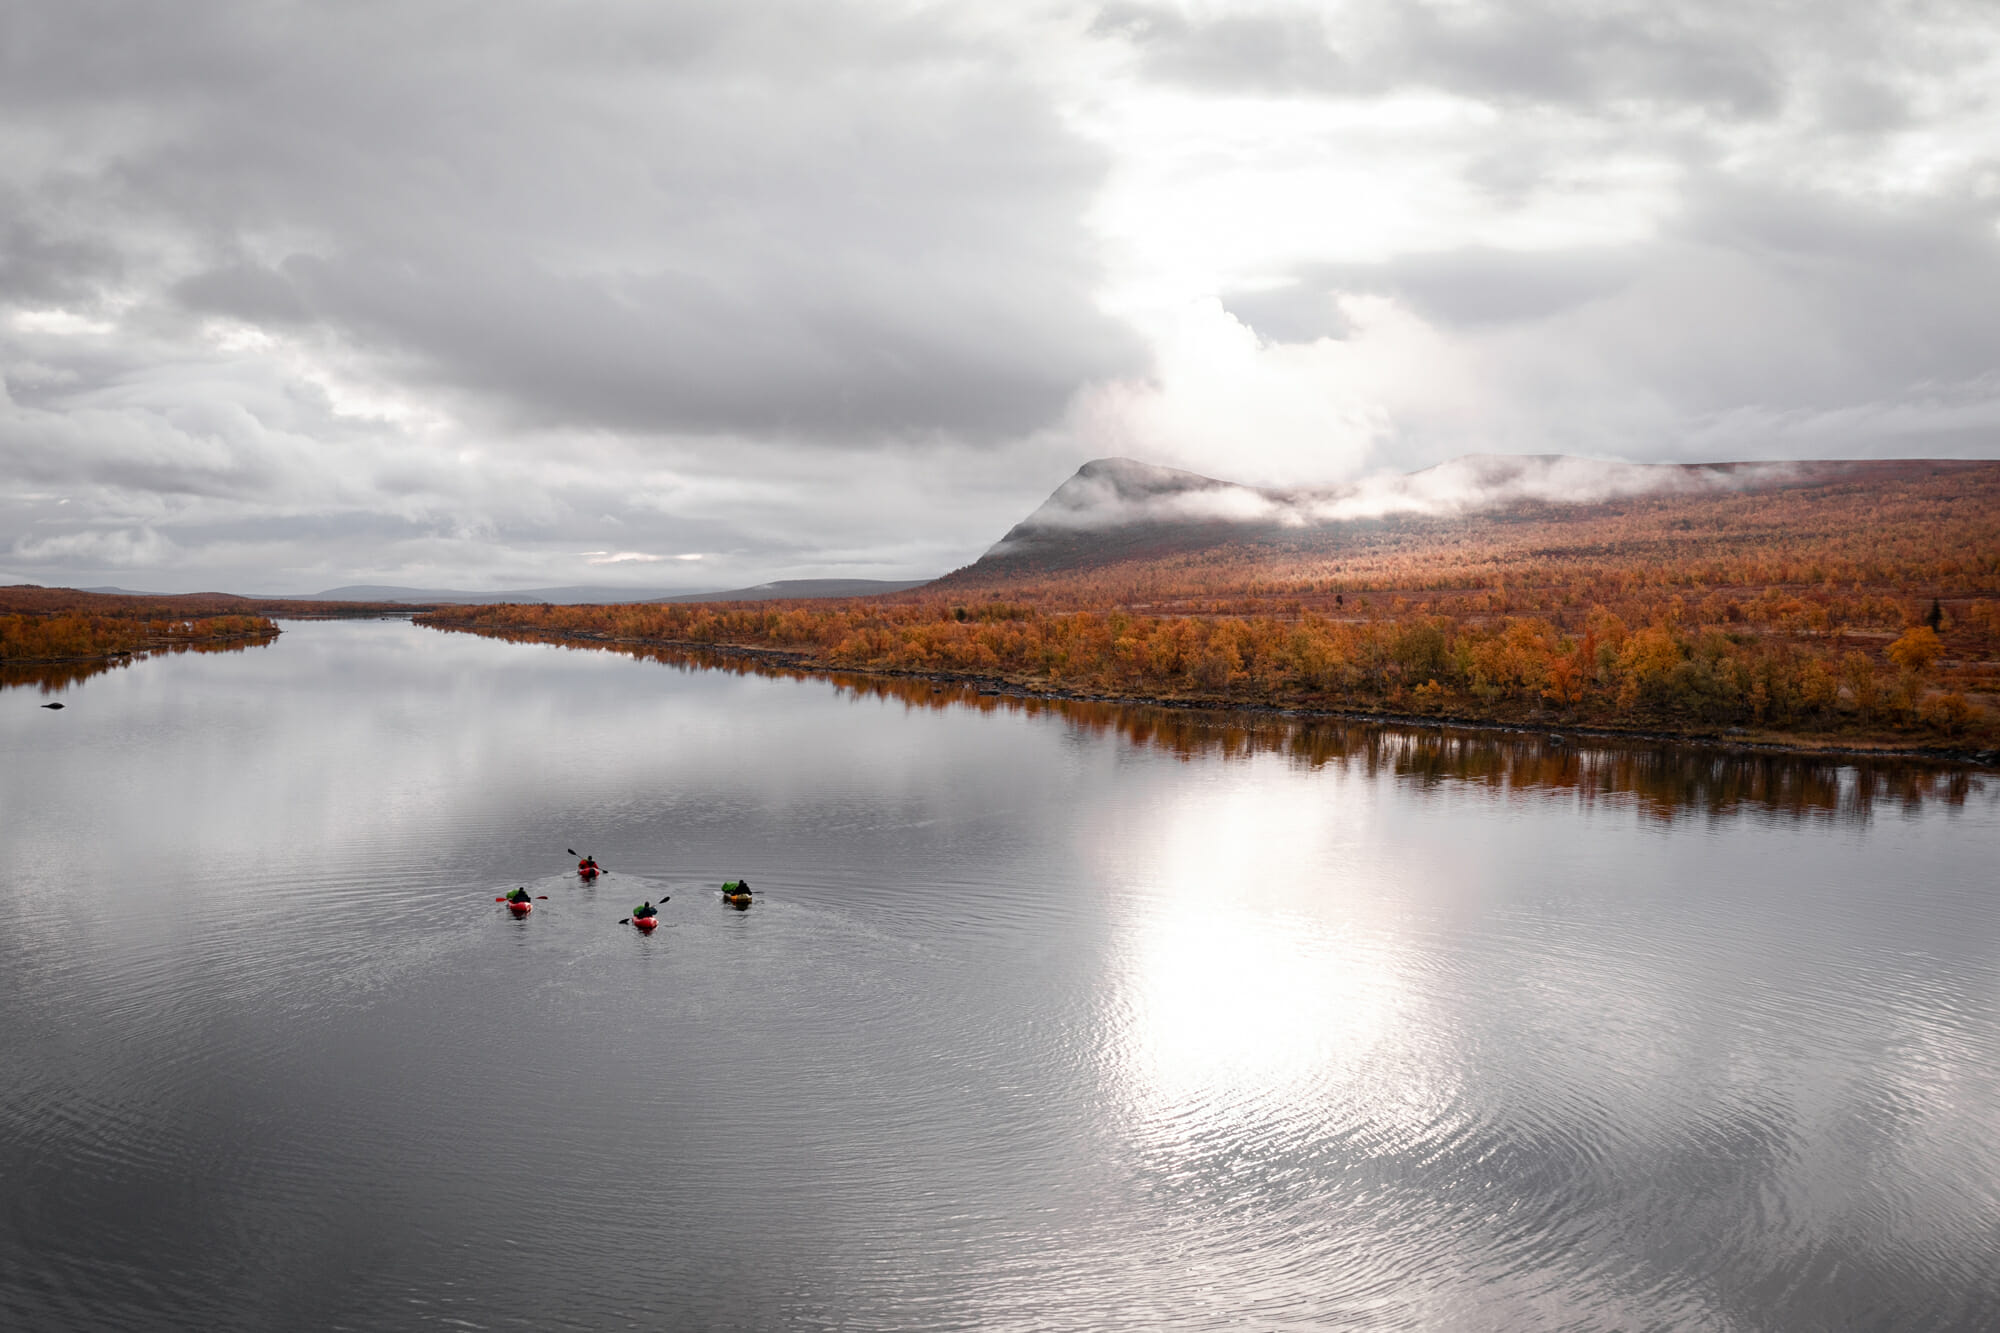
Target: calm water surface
x,y
1044,1017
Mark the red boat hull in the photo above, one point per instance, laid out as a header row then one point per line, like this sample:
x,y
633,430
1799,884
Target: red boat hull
x,y
645,922
586,872
520,909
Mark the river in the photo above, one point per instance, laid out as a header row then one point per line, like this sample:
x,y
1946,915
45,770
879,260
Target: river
x,y
1045,1016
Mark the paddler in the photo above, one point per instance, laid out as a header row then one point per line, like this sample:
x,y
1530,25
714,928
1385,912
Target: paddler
x,y
520,895
642,911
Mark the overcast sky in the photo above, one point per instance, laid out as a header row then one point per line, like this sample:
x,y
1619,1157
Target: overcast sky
x,y
696,295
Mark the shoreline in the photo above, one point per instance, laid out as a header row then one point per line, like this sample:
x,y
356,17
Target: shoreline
x,y
137,654
1560,733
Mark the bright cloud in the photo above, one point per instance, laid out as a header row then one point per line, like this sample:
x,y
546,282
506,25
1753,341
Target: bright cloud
x,y
632,557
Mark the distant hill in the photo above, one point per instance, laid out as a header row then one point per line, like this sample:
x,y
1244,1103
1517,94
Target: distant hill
x,y
587,596
579,596
1117,511
800,588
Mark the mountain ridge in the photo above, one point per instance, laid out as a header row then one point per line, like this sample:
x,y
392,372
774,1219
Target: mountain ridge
x,y
1115,509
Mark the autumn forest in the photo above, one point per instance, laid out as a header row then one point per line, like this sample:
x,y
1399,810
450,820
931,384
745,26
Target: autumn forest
x,y
1855,607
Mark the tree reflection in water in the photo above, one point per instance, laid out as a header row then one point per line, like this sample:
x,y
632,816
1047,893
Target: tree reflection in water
x,y
1664,780
55,677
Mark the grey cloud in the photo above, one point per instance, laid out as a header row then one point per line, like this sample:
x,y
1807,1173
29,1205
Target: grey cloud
x,y
1275,51
842,350
39,266
1547,52
1590,53
1833,298
1300,311
226,472
704,218
1487,286
199,451
1850,68
246,291
96,548
1859,105
1460,288
1766,301
357,526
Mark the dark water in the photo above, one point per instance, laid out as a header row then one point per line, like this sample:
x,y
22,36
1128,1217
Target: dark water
x,y
1044,1018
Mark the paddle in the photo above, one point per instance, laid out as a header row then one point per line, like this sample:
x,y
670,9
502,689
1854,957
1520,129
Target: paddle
x,y
664,900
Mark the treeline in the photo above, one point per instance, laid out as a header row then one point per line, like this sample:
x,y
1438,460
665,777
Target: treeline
x,y
1673,671
76,635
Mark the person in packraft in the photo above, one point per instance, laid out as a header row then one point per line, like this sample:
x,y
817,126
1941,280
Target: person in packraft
x,y
518,896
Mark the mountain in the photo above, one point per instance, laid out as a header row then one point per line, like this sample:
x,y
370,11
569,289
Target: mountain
x,y
1121,509
1117,510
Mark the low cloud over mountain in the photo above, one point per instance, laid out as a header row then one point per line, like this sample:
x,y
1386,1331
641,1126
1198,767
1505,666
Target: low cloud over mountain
x,y
1118,508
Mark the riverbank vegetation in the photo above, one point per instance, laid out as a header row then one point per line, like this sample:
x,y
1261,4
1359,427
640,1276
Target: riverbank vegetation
x,y
56,625
1672,672
66,636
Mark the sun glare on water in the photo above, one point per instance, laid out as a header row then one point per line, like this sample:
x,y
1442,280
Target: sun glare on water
x,y
1252,987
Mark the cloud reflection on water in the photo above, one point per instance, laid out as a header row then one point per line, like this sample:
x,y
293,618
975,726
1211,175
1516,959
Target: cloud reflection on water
x,y
56,677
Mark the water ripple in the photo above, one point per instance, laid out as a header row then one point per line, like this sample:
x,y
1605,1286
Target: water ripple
x,y
1028,1028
